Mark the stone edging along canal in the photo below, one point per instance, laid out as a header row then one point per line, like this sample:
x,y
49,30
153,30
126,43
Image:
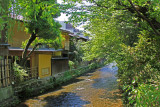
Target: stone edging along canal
x,y
35,87
97,88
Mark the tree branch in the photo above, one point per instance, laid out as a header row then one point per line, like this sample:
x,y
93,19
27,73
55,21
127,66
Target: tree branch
x,y
23,62
120,3
29,54
24,54
102,6
31,39
99,4
141,15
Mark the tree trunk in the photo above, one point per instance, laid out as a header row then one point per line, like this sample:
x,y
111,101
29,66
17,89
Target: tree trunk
x,y
150,22
24,54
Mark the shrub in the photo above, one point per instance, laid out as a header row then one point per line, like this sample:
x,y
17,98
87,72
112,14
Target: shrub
x,y
71,65
138,70
147,95
19,73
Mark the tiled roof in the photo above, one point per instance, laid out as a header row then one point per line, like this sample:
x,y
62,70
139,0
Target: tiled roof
x,y
71,30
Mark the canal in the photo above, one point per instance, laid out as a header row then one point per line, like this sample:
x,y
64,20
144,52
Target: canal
x,y
94,89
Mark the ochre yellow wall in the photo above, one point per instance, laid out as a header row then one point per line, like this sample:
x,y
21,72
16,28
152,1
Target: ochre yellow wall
x,y
18,35
34,60
58,53
65,42
44,66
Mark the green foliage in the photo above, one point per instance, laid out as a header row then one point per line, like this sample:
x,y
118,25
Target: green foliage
x,y
46,29
141,65
39,16
19,73
5,22
71,65
148,95
103,41
51,43
141,60
76,51
119,33
68,75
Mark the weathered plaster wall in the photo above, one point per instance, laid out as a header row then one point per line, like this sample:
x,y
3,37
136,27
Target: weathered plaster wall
x,y
19,35
65,42
44,66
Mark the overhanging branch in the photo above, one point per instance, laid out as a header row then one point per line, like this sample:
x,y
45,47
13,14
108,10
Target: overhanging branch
x,y
145,18
99,5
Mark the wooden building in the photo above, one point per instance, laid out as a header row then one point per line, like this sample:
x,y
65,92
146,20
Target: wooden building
x,y
46,60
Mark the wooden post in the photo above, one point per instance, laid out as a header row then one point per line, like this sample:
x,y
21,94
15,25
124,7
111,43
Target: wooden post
x,y
2,65
7,72
8,76
0,73
10,71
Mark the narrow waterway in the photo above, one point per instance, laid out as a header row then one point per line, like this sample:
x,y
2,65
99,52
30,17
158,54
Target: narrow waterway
x,y
94,89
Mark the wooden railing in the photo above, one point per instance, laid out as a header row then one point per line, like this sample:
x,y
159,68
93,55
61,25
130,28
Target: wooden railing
x,y
32,73
5,72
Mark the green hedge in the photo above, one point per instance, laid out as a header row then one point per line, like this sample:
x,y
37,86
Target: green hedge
x,y
68,75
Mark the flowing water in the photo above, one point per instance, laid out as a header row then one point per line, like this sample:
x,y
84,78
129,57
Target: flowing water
x,y
94,89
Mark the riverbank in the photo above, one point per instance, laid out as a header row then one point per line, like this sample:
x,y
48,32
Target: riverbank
x,y
36,87
96,88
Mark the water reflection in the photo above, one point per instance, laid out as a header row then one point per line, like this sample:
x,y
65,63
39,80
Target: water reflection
x,y
107,78
109,83
65,99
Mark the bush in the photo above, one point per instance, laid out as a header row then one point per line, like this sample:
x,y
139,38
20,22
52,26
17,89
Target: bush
x,y
71,65
139,72
147,95
19,73
68,75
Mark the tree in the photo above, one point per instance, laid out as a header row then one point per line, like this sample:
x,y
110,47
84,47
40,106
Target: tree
x,y
3,19
126,31
103,41
76,51
143,10
38,20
